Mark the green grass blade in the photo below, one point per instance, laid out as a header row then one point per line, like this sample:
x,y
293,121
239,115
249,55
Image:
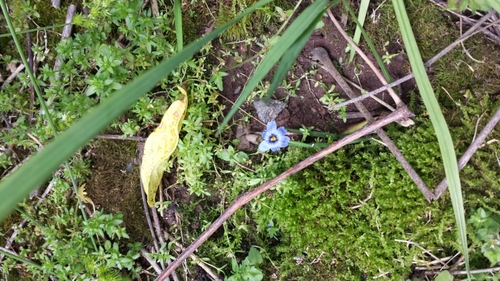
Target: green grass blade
x,y
16,186
290,36
289,58
35,29
371,45
438,122
20,259
363,9
178,24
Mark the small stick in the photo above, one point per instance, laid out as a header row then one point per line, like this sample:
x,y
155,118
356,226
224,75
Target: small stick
x,y
140,149
119,137
198,261
56,3
145,255
13,75
468,20
66,31
399,114
463,272
441,187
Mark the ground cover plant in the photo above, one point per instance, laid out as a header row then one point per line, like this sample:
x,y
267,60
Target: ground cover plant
x,y
298,211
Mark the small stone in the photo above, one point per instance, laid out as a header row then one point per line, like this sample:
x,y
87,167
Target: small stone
x,y
269,111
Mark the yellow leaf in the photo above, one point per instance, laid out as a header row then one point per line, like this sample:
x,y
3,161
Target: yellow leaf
x,y
160,145
355,127
82,195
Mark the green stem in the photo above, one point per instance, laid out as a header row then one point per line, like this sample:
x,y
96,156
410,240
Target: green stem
x,y
317,134
35,29
23,260
320,144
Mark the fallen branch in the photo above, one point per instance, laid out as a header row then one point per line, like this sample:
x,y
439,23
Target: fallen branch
x,y
153,264
464,272
375,70
400,114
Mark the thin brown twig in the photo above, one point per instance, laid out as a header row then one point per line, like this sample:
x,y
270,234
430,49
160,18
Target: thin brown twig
x,y
441,187
159,235
198,261
66,32
140,151
157,228
401,113
119,137
468,20
146,256
13,75
464,272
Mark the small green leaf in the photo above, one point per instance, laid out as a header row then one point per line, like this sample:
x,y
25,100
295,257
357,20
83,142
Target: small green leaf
x,y
444,276
234,265
254,257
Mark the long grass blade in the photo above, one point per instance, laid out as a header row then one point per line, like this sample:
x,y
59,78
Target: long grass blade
x,y
363,9
438,122
370,45
178,25
16,186
35,29
290,36
289,58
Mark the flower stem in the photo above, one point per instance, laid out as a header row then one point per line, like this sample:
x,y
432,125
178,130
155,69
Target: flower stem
x,y
320,144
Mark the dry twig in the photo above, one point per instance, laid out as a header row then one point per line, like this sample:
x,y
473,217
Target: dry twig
x,y
66,31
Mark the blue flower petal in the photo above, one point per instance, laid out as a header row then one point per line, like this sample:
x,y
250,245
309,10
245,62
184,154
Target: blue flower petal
x,y
283,142
267,134
273,138
282,131
271,125
264,146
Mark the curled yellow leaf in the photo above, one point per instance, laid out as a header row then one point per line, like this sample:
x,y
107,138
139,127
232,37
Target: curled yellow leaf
x,y
160,145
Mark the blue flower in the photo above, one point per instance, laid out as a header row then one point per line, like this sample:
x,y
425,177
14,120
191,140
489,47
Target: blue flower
x,y
274,138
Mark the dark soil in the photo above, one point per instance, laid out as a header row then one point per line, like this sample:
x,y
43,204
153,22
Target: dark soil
x,y
305,109
114,186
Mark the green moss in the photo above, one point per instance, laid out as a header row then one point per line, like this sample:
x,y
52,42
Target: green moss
x,y
351,207
251,25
